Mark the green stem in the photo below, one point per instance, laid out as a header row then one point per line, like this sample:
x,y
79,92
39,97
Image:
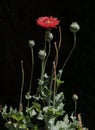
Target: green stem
x,y
53,73
54,92
75,108
44,61
60,38
31,76
56,61
42,69
50,86
70,53
45,39
22,85
45,47
40,88
47,55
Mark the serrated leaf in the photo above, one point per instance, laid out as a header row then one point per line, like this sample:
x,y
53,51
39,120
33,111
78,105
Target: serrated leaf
x,y
59,97
66,120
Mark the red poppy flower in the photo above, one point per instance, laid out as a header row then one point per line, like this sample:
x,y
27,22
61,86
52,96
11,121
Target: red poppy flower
x,y
48,22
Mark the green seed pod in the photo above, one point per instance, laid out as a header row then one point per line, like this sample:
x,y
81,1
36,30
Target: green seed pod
x,y
75,97
42,54
74,27
31,43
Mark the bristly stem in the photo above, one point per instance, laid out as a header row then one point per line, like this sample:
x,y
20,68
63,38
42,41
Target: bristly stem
x,y
22,85
70,53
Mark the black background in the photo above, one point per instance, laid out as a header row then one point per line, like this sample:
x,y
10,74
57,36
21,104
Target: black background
x,y
18,25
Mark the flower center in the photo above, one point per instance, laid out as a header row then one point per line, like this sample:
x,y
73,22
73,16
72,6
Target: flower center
x,y
48,22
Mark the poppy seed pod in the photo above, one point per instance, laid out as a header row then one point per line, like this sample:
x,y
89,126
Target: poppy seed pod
x,y
74,27
42,54
31,43
75,97
48,36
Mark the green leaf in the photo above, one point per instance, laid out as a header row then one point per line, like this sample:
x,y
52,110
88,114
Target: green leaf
x,y
15,126
59,82
59,97
66,120
40,116
28,96
17,116
45,93
4,110
58,113
36,106
31,111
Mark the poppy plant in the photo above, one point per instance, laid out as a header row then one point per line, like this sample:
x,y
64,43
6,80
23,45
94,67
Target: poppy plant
x,y
45,109
48,22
